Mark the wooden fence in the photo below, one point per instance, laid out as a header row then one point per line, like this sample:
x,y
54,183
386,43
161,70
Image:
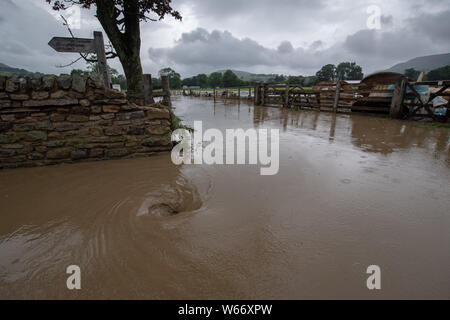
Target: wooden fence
x,y
408,102
399,100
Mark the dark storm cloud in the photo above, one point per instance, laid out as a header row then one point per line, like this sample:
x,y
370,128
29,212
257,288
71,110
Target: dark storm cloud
x,y
424,34
435,26
285,36
373,49
210,51
215,48
285,47
264,8
385,44
26,30
387,20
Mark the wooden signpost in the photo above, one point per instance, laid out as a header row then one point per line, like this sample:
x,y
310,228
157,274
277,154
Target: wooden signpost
x,y
80,45
75,45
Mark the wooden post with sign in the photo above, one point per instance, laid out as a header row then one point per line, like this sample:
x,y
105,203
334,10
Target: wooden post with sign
x,y
101,58
79,45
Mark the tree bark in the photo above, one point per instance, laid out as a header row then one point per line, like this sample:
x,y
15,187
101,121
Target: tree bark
x,y
126,44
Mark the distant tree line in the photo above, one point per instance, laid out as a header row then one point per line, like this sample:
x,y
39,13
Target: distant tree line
x,y
215,80
329,72
344,71
227,79
442,73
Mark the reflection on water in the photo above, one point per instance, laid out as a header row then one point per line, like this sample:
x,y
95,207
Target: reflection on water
x,y
352,191
378,135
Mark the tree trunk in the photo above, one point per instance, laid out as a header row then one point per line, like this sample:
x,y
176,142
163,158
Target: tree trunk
x,y
132,67
127,44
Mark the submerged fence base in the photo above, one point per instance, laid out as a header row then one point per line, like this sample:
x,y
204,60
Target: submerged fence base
x,y
401,99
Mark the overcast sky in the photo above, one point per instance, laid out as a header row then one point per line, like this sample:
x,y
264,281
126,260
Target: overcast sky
x,y
263,36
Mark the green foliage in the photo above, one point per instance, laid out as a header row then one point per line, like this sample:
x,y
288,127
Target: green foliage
x,y
437,125
349,71
120,79
176,122
215,80
327,73
439,74
230,79
142,7
412,73
80,72
156,83
344,71
174,77
277,79
310,81
299,80
200,80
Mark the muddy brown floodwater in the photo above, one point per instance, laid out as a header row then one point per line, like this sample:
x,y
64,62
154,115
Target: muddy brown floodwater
x,y
352,191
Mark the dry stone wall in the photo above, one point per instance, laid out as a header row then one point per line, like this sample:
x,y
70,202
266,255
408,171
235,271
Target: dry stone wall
x,y
52,120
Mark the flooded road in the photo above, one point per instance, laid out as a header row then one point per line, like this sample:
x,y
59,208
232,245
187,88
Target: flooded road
x,y
352,191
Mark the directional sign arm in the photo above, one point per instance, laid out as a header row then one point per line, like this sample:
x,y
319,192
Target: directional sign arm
x,y
74,45
83,46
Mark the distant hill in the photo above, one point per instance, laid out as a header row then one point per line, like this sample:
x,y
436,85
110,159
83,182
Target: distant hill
x,y
6,70
425,64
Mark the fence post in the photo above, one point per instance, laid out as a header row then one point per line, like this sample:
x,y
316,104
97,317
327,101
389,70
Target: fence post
x,y
397,100
265,95
336,97
239,93
148,89
286,97
166,89
257,97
